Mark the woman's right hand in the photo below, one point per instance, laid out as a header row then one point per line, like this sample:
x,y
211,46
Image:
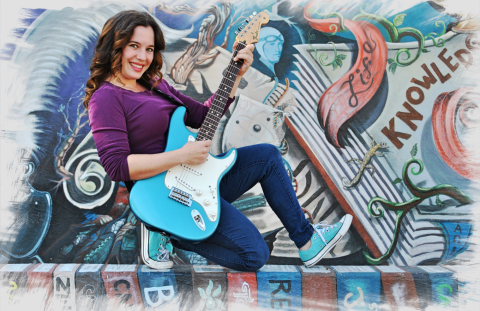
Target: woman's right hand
x,y
195,152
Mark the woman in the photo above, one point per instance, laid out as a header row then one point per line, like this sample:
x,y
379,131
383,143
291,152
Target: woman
x,y
130,122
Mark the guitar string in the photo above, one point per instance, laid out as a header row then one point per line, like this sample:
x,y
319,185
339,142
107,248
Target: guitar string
x,y
232,69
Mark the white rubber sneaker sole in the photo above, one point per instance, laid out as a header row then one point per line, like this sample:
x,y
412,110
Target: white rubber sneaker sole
x,y
347,221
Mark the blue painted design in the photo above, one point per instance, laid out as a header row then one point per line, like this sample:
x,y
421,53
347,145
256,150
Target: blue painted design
x,y
357,288
457,235
279,287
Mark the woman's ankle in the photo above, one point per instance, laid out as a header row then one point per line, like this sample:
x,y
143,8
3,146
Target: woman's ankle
x,y
306,246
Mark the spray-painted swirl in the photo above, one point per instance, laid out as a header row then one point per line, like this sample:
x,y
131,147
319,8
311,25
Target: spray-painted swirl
x,y
463,102
352,92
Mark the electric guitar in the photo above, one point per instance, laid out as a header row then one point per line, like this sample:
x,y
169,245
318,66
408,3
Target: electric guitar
x,y
185,200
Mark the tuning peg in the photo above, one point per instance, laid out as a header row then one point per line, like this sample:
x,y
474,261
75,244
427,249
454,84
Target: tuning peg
x,y
236,32
239,28
247,21
251,16
254,12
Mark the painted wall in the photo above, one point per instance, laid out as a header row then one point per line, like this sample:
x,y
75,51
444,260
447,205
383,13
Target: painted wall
x,y
374,107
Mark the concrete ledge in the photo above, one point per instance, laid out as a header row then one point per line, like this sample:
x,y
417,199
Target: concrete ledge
x,y
110,287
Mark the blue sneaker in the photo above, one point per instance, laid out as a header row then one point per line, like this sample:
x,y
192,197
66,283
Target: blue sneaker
x,y
159,249
324,239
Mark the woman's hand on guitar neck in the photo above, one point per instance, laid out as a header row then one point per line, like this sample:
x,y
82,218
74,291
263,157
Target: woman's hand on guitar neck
x,y
247,55
195,152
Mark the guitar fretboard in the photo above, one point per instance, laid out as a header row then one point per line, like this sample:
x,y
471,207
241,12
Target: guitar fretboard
x,y
210,124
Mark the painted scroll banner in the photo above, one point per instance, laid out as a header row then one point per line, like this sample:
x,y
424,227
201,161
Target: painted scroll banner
x,y
352,92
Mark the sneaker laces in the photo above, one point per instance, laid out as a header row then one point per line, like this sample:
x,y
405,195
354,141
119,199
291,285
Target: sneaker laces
x,y
163,254
323,227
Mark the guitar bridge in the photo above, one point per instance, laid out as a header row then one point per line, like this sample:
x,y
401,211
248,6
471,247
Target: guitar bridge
x,y
180,196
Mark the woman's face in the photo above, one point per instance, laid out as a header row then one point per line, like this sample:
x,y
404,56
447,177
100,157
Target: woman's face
x,y
138,53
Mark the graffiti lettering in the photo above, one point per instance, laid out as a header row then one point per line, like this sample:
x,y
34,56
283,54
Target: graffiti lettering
x,y
458,229
428,80
472,42
419,92
65,287
161,297
459,55
280,301
88,292
123,296
13,287
367,47
457,239
244,297
407,117
351,77
366,65
359,300
448,61
445,300
281,287
443,78
394,136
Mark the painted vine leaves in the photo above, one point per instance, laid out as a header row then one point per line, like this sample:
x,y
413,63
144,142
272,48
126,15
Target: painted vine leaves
x,y
322,59
419,194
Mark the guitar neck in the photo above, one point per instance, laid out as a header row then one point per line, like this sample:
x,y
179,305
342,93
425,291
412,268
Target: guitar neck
x,y
209,126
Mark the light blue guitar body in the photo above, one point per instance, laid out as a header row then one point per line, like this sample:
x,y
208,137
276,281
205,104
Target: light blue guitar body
x,y
185,200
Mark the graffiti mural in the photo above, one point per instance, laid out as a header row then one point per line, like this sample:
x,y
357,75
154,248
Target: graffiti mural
x,y
374,106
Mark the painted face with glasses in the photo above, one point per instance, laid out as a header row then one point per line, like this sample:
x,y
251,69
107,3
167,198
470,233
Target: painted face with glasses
x,y
270,46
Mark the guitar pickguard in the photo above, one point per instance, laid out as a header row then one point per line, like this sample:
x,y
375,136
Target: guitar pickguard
x,y
200,181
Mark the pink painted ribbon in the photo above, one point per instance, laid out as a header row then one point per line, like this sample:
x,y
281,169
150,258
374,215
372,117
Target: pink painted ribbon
x,y
352,91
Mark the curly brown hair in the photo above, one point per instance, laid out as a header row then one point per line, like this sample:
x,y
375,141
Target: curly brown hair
x,y
116,34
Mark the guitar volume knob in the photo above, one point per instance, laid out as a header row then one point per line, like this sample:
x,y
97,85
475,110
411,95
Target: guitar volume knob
x,y
198,192
206,202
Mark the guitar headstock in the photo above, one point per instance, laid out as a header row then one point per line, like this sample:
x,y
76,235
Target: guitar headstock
x,y
249,32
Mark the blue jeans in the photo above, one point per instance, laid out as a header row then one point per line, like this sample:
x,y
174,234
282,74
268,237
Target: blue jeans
x,y
237,243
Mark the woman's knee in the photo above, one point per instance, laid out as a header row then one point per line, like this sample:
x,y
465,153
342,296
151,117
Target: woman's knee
x,y
257,258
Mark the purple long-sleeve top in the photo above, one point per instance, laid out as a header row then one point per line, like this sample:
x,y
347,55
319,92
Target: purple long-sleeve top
x,y
124,122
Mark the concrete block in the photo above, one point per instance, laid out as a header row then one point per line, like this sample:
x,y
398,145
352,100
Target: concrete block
x,y
121,285
210,288
279,287
90,290
399,288
242,290
64,294
358,287
319,288
444,287
40,284
13,284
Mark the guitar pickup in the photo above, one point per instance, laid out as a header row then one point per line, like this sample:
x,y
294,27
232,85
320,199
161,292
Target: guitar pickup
x,y
191,170
184,183
180,196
